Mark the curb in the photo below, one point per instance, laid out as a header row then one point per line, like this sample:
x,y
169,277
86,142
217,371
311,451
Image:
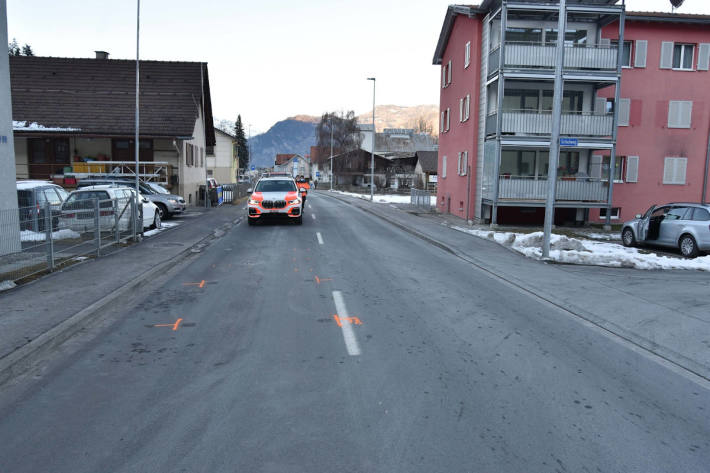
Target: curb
x,y
649,346
18,361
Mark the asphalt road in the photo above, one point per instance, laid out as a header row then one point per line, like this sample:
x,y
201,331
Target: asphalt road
x,y
348,345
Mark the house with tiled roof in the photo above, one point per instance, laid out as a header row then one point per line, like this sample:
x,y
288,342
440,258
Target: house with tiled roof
x,y
76,116
294,164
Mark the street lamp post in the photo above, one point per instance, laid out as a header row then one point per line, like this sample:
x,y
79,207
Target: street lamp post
x,y
331,152
137,143
374,135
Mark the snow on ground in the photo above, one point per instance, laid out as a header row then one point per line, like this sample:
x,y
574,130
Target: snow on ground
x,y
34,126
385,198
582,251
65,234
601,236
164,226
5,285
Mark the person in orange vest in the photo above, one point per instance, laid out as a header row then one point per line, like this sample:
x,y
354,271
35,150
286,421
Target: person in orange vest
x,y
303,186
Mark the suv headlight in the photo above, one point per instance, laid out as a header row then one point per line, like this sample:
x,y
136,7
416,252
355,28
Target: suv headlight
x,y
294,201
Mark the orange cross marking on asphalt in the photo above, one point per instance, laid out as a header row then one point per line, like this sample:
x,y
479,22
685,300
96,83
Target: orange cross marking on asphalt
x,y
350,320
320,280
200,284
174,326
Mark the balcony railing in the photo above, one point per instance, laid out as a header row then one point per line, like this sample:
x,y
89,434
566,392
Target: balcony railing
x,y
527,122
544,56
158,172
568,189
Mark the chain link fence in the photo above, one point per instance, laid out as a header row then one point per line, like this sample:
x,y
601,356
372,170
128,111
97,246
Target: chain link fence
x,y
423,199
41,239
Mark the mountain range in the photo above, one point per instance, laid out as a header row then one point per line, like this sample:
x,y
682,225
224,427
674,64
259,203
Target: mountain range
x,y
298,133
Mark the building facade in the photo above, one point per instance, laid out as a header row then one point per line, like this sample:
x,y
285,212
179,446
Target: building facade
x,y
222,162
640,110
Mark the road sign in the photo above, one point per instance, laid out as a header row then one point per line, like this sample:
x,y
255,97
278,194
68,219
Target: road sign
x,y
569,142
253,167
317,173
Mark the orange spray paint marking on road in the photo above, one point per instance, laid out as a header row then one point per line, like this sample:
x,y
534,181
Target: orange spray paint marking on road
x,y
200,284
320,280
350,320
174,326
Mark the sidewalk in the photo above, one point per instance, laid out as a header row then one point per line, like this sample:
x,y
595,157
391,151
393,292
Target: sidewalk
x,y
665,312
47,306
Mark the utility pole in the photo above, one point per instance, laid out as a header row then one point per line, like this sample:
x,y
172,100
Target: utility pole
x,y
138,25
555,138
374,136
331,152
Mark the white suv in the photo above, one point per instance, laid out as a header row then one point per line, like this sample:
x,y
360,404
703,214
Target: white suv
x,y
275,197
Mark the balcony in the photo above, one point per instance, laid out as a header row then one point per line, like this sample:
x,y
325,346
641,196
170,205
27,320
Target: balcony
x,y
544,56
530,188
526,122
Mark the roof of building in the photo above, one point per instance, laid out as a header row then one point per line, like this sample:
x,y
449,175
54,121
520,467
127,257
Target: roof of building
x,y
429,160
283,158
488,5
97,96
217,130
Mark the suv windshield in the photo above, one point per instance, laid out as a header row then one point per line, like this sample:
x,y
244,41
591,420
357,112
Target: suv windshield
x,y
284,185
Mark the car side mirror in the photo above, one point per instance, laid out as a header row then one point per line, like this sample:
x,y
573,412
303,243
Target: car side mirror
x,y
638,215
250,190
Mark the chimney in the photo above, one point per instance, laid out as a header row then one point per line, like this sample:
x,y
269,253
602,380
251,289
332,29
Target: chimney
x,y
101,54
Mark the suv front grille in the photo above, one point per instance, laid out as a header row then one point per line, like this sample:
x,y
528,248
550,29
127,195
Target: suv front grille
x,y
273,204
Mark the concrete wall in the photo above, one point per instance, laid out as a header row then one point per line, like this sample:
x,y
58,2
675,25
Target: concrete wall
x,y
461,136
648,136
9,215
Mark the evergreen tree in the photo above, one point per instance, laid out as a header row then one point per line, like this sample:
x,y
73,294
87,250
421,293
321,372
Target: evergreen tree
x,y
27,50
242,143
13,48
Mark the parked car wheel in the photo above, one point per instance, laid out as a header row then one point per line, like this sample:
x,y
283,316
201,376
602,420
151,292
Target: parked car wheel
x,y
688,247
627,237
162,210
157,221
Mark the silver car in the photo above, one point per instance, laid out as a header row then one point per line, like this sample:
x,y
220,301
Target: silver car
x,y
685,226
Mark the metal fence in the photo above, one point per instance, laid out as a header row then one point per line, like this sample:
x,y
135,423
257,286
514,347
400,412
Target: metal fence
x,y
423,199
38,239
231,193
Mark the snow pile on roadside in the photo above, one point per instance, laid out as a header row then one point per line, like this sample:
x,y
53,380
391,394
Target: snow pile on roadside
x,y
6,285
64,234
580,251
164,226
385,198
601,236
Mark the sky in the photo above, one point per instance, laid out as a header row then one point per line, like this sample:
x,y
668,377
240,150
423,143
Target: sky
x,y
267,59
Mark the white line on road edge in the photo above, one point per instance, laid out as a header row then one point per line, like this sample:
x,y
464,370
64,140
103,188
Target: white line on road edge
x,y
348,334
313,216
320,238
309,206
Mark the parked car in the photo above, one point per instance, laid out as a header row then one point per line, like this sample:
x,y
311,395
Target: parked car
x,y
685,226
32,198
168,204
78,211
275,197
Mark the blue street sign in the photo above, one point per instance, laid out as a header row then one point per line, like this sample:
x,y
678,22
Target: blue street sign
x,y
569,142
253,167
295,160
317,173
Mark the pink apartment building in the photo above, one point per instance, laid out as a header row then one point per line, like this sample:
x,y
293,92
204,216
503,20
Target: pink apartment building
x,y
642,109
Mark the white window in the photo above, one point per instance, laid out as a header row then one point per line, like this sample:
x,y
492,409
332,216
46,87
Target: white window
x,y
674,170
683,55
443,76
448,74
464,163
625,53
448,119
679,113
467,55
442,122
458,163
615,212
461,101
443,167
467,108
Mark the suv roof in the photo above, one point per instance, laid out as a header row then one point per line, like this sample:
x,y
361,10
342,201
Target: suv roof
x,y
31,184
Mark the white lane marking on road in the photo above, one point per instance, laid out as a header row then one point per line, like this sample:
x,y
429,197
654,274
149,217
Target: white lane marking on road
x,y
320,238
309,206
313,216
348,335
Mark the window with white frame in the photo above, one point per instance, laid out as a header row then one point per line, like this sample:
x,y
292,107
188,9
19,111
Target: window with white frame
x,y
461,103
618,168
683,55
467,55
626,53
446,75
674,170
615,212
463,163
443,167
467,108
679,113
448,119
442,121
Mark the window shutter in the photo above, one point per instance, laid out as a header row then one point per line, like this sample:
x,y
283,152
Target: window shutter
x,y
679,170
448,119
599,106
704,57
679,113
465,163
632,169
666,55
441,123
448,72
443,167
624,112
467,57
443,76
641,53
668,170
458,164
595,167
468,106
460,110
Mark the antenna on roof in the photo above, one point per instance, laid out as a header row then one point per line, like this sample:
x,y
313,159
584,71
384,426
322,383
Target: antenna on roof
x,y
676,4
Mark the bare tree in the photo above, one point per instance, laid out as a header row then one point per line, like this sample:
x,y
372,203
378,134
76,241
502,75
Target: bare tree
x,y
422,125
346,134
